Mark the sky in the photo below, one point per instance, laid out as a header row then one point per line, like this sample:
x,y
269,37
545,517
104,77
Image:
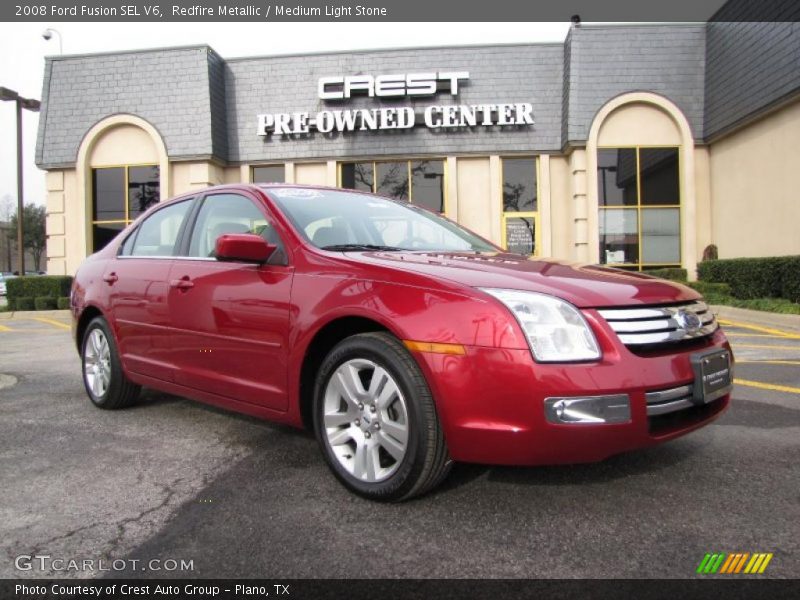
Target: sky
x,y
23,50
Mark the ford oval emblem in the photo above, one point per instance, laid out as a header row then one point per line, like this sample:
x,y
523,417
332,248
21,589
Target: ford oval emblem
x,y
688,321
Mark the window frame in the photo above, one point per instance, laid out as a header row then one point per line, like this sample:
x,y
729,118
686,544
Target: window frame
x,y
92,194
641,266
408,162
187,230
534,214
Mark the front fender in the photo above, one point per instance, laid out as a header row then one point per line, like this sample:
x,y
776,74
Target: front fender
x,y
410,312
407,311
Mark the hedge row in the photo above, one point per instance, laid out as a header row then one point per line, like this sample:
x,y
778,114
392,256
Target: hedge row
x,y
710,289
38,303
776,277
671,273
38,286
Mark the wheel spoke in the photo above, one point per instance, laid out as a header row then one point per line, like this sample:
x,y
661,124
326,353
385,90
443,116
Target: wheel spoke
x,y
398,431
392,446
379,379
360,460
339,437
349,384
96,386
337,419
366,464
388,393
93,343
373,462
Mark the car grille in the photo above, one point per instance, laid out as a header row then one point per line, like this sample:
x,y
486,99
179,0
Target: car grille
x,y
661,324
667,401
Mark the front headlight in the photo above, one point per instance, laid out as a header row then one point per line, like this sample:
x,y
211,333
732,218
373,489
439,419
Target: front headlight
x,y
556,330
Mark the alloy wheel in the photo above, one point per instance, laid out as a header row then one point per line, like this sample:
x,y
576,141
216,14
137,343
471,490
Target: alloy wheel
x,y
366,420
97,363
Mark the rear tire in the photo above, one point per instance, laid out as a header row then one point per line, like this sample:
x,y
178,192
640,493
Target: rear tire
x,y
105,382
376,422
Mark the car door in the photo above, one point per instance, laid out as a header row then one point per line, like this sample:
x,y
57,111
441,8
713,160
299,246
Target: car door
x,y
138,280
230,320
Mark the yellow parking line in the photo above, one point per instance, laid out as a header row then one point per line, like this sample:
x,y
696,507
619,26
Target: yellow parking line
x,y
756,335
4,328
768,362
51,322
767,386
795,348
760,329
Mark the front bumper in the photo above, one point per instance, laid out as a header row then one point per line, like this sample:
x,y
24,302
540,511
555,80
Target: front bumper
x,y
492,402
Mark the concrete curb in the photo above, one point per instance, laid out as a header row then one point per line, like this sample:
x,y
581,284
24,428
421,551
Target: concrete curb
x,y
35,313
788,323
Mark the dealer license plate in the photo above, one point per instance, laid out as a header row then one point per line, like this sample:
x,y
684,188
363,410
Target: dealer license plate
x,y
712,375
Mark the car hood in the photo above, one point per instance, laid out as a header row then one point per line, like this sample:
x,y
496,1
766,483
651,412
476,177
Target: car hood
x,y
583,285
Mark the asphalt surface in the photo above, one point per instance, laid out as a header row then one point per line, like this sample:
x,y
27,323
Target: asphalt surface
x,y
173,479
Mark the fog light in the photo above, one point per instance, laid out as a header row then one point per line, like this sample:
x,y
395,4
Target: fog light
x,y
589,410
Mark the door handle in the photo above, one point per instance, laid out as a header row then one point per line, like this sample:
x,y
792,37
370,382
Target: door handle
x,y
184,283
111,278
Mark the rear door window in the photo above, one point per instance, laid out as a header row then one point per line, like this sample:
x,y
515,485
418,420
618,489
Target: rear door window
x,y
157,236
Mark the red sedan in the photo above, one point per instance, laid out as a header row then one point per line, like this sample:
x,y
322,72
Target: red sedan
x,y
405,341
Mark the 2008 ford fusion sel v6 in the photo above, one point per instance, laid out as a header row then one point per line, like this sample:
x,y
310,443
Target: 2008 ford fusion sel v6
x,y
403,340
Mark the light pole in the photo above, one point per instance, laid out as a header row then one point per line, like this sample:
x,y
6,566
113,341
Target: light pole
x,y
32,105
48,34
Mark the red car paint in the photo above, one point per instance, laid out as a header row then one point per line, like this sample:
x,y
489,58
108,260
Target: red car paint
x,y
236,335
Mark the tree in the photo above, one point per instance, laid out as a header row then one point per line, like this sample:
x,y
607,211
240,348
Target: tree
x,y
34,237
8,206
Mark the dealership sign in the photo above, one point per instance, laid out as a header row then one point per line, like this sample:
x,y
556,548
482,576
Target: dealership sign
x,y
342,88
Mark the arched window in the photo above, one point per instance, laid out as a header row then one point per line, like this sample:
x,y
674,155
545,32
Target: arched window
x,y
123,170
640,185
638,191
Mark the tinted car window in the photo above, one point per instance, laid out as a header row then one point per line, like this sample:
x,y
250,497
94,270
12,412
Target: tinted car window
x,y
231,213
335,219
127,245
158,233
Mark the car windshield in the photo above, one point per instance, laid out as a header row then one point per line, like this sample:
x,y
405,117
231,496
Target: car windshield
x,y
347,221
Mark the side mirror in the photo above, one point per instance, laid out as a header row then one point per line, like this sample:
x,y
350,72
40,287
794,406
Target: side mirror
x,y
243,247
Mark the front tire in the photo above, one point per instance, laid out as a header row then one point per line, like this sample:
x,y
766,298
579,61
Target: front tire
x,y
103,377
375,420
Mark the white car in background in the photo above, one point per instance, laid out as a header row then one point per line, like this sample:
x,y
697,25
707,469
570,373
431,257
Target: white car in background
x,y
3,279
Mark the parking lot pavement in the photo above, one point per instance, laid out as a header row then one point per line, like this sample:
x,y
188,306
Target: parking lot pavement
x,y
172,479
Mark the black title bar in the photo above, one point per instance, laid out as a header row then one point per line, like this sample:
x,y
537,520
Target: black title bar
x,y
398,10
731,588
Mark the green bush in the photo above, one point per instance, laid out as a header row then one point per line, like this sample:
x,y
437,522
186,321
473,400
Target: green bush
x,y
672,273
63,303
44,303
23,303
776,277
707,288
38,286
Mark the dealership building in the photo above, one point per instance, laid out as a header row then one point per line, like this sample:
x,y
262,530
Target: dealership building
x,y
638,146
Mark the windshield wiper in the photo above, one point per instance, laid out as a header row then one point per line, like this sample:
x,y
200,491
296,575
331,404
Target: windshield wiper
x,y
356,247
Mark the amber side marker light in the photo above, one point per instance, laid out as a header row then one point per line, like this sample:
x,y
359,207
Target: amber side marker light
x,y
435,348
